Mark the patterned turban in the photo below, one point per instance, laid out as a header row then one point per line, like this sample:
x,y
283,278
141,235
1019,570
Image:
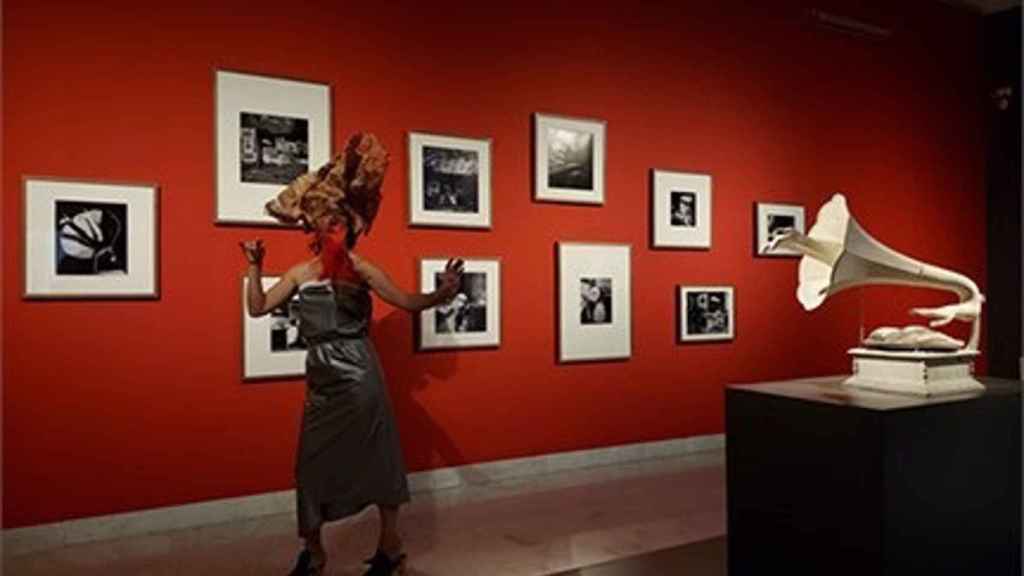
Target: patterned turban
x,y
352,181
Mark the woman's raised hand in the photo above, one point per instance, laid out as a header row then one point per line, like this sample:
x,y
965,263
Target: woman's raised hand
x,y
253,250
451,279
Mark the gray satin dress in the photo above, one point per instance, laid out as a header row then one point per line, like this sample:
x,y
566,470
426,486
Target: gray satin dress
x,y
349,454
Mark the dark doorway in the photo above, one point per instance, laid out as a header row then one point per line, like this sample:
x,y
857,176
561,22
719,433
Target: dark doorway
x,y
1003,176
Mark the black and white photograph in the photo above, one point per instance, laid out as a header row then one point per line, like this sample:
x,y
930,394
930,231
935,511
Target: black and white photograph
x,y
268,131
449,181
284,328
569,161
274,149
595,301
92,237
472,319
680,210
778,223
467,311
271,344
774,219
684,209
707,313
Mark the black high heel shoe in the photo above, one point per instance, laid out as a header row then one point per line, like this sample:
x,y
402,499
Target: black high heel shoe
x,y
383,565
304,565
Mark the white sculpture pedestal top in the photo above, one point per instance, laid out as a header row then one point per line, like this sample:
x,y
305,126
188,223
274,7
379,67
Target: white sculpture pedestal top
x,y
914,372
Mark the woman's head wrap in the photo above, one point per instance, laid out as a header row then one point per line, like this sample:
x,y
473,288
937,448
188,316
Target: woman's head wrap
x,y
349,184
352,181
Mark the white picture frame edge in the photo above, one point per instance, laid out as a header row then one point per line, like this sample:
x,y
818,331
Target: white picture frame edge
x,y
681,306
703,238
247,325
265,221
761,230
484,147
561,318
27,292
492,341
541,192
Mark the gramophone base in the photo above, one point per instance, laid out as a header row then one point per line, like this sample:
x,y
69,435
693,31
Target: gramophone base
x,y
914,373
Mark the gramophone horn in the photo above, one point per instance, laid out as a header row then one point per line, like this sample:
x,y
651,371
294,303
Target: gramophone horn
x,y
839,254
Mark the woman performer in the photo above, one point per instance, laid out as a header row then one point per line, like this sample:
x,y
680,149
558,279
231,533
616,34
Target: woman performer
x,y
349,455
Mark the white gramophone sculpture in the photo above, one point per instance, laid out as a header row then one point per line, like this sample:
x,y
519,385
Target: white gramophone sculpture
x,y
838,254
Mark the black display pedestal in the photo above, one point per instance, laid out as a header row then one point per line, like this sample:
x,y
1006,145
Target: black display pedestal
x,y
824,480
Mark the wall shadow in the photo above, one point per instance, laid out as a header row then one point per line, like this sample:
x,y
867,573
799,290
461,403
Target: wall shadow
x,y
426,444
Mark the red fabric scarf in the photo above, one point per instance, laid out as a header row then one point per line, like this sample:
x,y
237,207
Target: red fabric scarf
x,y
337,263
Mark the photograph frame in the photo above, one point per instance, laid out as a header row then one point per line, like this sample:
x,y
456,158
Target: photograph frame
x,y
289,365
419,216
543,191
428,339
683,335
238,203
664,236
40,196
762,232
601,341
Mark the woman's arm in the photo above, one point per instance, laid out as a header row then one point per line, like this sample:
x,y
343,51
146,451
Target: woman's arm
x,y
382,284
257,302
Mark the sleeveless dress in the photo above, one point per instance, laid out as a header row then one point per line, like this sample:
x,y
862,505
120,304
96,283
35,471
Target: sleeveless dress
x,y
349,455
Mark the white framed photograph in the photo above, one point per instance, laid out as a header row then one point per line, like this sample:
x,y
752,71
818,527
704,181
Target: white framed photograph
x,y
473,318
268,131
449,181
569,163
272,346
773,219
707,313
87,239
680,210
595,302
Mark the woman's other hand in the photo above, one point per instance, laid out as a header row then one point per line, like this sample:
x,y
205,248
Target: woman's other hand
x,y
254,251
451,279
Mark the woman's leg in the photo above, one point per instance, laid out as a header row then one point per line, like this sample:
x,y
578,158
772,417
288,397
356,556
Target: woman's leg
x,y
390,542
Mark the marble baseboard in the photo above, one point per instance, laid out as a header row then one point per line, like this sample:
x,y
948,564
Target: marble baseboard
x,y
31,539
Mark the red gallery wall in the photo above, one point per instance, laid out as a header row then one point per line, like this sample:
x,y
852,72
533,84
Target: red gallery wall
x,y
115,406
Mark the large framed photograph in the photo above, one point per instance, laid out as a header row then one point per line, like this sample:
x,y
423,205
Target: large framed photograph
x,y
569,163
773,219
449,181
680,210
706,313
269,131
595,302
91,239
473,318
271,345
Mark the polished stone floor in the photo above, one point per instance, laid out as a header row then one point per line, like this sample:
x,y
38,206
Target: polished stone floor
x,y
536,525
705,558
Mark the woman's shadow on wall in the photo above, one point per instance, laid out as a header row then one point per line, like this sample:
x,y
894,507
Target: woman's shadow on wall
x,y
426,445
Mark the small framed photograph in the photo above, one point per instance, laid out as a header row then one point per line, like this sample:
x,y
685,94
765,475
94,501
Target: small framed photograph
x,y
473,318
91,239
269,131
773,219
449,181
706,313
595,302
271,345
680,210
569,163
